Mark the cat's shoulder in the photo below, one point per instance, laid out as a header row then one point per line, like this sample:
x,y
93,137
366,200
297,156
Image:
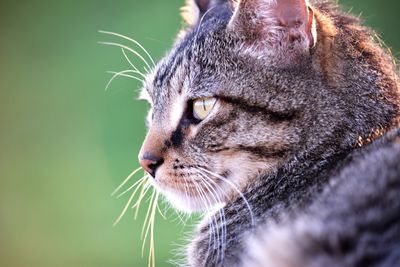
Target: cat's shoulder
x,y
354,222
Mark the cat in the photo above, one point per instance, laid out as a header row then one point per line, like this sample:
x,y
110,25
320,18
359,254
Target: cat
x,y
280,119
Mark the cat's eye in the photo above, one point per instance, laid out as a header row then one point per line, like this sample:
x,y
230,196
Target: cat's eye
x,y
202,107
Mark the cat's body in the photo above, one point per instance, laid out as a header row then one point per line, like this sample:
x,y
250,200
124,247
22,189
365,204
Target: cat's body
x,y
354,221
340,212
292,96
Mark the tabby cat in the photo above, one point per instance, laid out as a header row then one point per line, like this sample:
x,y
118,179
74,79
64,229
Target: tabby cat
x,y
280,118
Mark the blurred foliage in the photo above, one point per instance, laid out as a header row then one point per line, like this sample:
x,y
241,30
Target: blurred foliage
x,y
66,143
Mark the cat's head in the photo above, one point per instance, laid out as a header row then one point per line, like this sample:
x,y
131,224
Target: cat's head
x,y
247,85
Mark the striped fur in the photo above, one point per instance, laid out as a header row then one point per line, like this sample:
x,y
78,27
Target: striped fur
x,y
290,115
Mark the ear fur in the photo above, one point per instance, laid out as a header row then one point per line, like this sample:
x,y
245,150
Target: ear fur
x,y
275,26
195,9
190,12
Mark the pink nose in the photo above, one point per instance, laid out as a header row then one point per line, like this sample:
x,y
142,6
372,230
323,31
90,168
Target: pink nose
x,y
150,163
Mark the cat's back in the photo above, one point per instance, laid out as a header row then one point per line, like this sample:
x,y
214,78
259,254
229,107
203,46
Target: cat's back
x,y
354,222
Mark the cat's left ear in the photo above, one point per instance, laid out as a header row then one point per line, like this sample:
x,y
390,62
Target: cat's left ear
x,y
195,9
275,25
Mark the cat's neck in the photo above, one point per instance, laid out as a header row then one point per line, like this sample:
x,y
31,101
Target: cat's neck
x,y
295,183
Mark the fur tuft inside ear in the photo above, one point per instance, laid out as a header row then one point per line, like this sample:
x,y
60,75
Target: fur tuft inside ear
x,y
195,9
275,26
190,12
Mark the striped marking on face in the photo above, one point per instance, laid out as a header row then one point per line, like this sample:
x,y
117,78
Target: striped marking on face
x,y
177,110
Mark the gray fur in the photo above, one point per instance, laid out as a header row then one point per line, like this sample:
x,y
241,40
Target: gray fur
x,y
300,112
355,221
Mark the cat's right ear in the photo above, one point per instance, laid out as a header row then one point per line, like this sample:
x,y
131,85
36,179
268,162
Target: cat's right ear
x,y
195,9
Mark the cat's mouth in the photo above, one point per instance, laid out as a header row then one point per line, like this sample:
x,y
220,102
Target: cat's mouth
x,y
195,190
195,187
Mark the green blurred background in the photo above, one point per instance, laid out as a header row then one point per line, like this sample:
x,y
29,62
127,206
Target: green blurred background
x,y
66,143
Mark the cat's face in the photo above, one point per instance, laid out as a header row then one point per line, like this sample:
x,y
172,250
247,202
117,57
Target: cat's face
x,y
216,121
206,143
249,86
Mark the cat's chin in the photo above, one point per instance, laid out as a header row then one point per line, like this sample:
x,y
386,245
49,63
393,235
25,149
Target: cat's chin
x,y
189,205
186,203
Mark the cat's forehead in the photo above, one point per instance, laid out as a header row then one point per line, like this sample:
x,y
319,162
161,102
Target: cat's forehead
x,y
172,66
190,67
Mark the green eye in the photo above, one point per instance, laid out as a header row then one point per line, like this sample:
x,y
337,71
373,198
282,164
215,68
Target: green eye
x,y
202,107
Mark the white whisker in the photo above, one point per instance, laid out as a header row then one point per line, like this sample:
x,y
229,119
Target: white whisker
x,y
128,49
138,183
125,181
143,192
207,202
148,227
133,65
131,40
201,22
214,194
123,74
148,213
236,189
152,256
186,191
124,210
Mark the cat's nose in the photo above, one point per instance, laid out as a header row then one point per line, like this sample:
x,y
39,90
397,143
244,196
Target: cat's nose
x,y
150,163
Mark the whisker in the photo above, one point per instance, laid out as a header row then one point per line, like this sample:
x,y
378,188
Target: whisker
x,y
216,198
123,74
124,210
186,196
201,22
149,222
146,225
222,214
133,65
152,255
160,212
128,49
143,192
236,189
131,40
138,183
206,201
125,181
179,217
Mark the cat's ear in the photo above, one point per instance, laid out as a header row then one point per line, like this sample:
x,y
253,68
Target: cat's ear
x,y
195,9
275,24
